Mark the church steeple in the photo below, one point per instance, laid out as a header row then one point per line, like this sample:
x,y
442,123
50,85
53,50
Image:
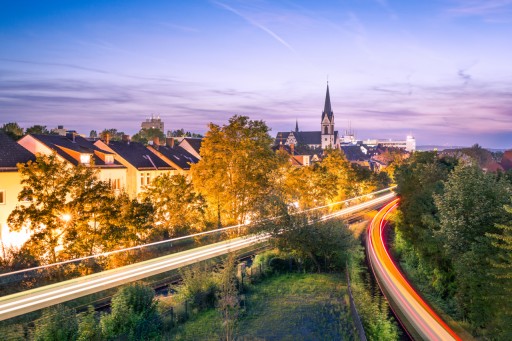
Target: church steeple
x,y
327,134
296,125
327,107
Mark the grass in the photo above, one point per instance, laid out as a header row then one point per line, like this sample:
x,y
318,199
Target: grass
x,y
283,307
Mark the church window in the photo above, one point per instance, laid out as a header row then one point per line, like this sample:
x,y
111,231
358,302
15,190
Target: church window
x,y
325,130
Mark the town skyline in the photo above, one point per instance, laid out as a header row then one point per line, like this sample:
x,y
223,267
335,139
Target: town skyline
x,y
437,71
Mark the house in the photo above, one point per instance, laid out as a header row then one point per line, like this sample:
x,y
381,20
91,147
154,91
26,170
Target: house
x,y
192,145
11,154
327,137
175,156
141,164
76,150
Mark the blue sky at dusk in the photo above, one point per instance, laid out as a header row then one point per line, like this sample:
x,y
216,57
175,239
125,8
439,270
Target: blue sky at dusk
x,y
440,69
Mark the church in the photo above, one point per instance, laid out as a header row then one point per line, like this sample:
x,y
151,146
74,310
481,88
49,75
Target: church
x,y
327,137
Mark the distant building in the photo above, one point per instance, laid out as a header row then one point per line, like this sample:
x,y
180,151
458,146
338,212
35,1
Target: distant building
x,y
59,131
154,123
327,137
409,144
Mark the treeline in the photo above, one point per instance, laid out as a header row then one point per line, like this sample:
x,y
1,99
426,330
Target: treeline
x,y
70,213
454,230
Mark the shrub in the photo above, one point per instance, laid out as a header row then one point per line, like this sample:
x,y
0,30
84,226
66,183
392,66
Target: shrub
x,y
134,314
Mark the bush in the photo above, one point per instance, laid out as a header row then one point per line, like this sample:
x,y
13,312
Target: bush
x,y
58,323
199,287
134,314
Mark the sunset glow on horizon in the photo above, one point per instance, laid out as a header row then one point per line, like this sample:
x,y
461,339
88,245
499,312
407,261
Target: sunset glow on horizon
x,y
439,70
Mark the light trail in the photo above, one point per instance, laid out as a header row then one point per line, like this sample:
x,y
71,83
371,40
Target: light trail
x,y
417,317
35,299
105,254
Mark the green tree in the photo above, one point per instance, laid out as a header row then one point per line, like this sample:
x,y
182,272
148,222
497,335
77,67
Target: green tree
x,y
177,208
502,274
145,135
234,172
13,130
58,323
88,326
93,134
469,209
37,129
327,244
134,314
112,134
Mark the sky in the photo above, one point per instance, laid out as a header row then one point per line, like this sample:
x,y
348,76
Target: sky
x,y
440,70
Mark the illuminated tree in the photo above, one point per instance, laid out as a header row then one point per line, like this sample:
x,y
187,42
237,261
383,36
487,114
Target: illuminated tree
x,y
234,172
69,212
177,208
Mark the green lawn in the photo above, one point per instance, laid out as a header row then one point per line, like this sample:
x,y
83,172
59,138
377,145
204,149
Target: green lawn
x,y
284,307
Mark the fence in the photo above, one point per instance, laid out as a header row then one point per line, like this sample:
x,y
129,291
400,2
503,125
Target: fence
x,y
355,315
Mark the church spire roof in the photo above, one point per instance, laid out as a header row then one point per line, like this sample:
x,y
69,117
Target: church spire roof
x,y
327,107
296,125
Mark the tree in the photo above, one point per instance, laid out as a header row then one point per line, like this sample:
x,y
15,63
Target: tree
x,y
37,129
112,134
234,172
69,209
13,130
469,210
134,314
325,243
93,134
228,303
58,323
88,326
177,208
145,135
502,273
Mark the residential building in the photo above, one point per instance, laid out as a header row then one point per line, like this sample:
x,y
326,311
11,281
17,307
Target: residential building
x,y
76,150
175,156
142,165
192,145
11,154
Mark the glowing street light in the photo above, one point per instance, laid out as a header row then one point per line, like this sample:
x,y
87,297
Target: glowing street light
x,y
66,217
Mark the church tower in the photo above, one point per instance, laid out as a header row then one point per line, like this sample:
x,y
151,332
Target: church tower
x,y
327,124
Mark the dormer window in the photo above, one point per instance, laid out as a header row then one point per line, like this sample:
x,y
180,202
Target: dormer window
x,y
85,159
109,159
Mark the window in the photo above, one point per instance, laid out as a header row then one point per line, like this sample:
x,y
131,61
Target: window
x,y
85,159
2,197
115,184
145,179
109,159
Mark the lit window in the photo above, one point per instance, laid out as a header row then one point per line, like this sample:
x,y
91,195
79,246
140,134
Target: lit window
x,y
109,159
85,159
142,179
148,178
115,184
2,196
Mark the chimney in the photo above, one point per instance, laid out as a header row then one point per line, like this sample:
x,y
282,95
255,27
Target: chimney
x,y
169,142
126,138
156,141
107,138
292,148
